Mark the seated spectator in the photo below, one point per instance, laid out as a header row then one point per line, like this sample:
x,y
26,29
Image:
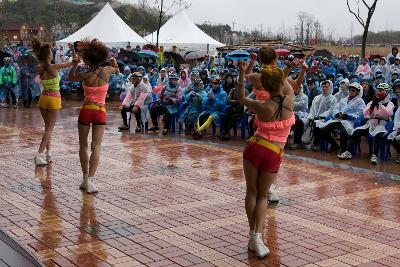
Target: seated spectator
x,y
311,90
396,94
321,108
184,81
213,107
368,91
364,69
395,76
228,84
163,78
344,115
204,78
383,68
378,113
343,90
395,135
170,97
233,113
395,67
138,96
194,98
330,69
301,112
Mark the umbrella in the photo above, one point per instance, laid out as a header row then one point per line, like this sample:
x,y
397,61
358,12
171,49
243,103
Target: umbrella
x,y
192,55
132,56
177,57
282,52
151,47
238,55
299,55
2,56
33,62
148,53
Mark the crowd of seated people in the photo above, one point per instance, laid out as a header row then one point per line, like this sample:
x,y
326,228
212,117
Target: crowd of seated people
x,y
344,98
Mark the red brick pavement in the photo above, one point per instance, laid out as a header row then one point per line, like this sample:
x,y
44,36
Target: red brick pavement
x,y
168,202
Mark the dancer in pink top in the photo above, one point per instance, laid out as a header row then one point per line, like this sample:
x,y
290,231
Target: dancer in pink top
x,y
263,154
93,111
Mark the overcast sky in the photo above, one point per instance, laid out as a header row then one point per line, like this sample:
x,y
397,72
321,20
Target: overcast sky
x,y
274,14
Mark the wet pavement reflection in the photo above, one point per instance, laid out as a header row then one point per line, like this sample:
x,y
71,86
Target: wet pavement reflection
x,y
174,202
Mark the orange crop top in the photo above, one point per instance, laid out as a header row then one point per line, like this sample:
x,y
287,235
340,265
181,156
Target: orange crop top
x,y
96,94
275,131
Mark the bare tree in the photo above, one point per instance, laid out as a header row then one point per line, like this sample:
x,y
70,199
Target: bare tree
x,y
309,23
301,16
318,31
164,8
364,23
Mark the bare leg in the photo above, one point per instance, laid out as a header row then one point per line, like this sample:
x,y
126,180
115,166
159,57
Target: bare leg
x,y
83,131
251,175
49,118
264,182
97,138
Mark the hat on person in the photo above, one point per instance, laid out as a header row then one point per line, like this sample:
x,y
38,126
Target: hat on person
x,y
137,75
173,76
396,84
357,86
216,79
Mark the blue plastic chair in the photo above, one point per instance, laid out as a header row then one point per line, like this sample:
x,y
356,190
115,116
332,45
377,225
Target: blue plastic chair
x,y
384,149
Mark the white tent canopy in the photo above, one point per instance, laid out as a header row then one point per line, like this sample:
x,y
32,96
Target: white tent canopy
x,y
182,32
109,28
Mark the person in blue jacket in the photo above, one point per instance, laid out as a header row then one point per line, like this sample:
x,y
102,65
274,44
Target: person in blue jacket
x,y
213,107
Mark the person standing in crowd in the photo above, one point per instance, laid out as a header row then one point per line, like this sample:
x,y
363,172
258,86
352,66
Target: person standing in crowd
x,y
8,82
15,53
59,56
50,99
93,112
390,58
262,156
27,82
378,113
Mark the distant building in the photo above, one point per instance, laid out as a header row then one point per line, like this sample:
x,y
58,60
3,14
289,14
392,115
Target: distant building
x,y
18,31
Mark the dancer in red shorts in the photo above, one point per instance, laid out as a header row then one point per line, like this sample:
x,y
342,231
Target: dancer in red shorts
x,y
93,111
262,156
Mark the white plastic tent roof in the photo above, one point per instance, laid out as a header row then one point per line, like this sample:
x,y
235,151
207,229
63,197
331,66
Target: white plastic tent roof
x,y
109,28
181,31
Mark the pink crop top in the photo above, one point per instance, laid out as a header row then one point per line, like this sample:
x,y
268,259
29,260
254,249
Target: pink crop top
x,y
96,94
261,94
275,131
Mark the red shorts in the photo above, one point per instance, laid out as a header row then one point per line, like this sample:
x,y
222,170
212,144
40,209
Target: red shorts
x,y
262,158
90,115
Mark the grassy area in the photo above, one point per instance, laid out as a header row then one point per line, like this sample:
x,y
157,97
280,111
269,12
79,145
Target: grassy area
x,y
355,50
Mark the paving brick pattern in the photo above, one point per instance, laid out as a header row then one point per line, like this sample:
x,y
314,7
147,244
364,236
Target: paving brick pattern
x,y
168,202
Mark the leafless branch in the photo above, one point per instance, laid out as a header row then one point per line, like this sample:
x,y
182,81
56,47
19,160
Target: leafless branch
x,y
358,17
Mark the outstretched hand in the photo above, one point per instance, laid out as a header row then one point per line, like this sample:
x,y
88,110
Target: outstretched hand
x,y
113,62
253,56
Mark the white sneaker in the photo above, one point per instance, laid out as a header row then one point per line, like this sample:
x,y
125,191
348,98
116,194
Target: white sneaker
x,y
250,246
259,246
345,155
84,183
90,186
374,159
272,195
40,159
48,156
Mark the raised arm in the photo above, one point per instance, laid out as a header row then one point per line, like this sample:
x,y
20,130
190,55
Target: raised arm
x,y
254,105
253,58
